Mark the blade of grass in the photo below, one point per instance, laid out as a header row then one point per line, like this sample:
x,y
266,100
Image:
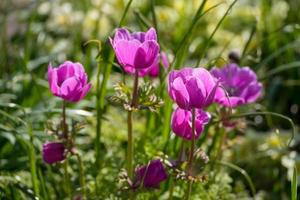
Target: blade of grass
x,y
272,114
240,170
289,46
125,13
214,31
145,22
30,150
154,19
188,33
294,185
43,185
280,68
252,33
98,107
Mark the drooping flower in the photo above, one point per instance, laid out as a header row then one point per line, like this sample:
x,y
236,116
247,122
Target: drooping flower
x,y
53,152
181,122
153,70
150,176
137,50
240,83
192,87
68,81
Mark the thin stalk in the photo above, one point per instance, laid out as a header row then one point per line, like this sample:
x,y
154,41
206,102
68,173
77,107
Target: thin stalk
x,y
81,175
242,171
134,101
187,35
98,124
64,124
213,33
32,160
65,135
252,33
190,161
171,189
129,145
222,139
67,180
154,17
125,13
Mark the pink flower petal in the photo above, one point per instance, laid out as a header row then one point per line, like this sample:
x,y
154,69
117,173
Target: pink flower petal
x,y
146,54
126,52
52,79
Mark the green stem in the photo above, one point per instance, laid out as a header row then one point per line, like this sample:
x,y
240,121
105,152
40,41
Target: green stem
x,y
98,125
65,136
134,101
67,180
222,139
171,189
64,124
207,43
129,146
189,190
190,162
191,156
81,176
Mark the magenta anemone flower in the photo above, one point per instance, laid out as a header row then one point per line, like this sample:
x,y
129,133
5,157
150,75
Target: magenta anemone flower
x,y
150,176
137,50
68,81
192,87
181,123
53,152
240,83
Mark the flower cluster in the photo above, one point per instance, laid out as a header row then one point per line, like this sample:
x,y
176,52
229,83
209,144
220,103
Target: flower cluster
x,y
192,89
197,88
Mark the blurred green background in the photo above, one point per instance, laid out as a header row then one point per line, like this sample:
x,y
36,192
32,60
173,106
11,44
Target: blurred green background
x,y
262,34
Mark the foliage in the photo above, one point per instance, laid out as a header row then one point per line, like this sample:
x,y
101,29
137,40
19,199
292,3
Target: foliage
x,y
261,34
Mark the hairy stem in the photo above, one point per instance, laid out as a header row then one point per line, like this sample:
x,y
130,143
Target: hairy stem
x,y
81,176
129,145
190,161
64,124
67,180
